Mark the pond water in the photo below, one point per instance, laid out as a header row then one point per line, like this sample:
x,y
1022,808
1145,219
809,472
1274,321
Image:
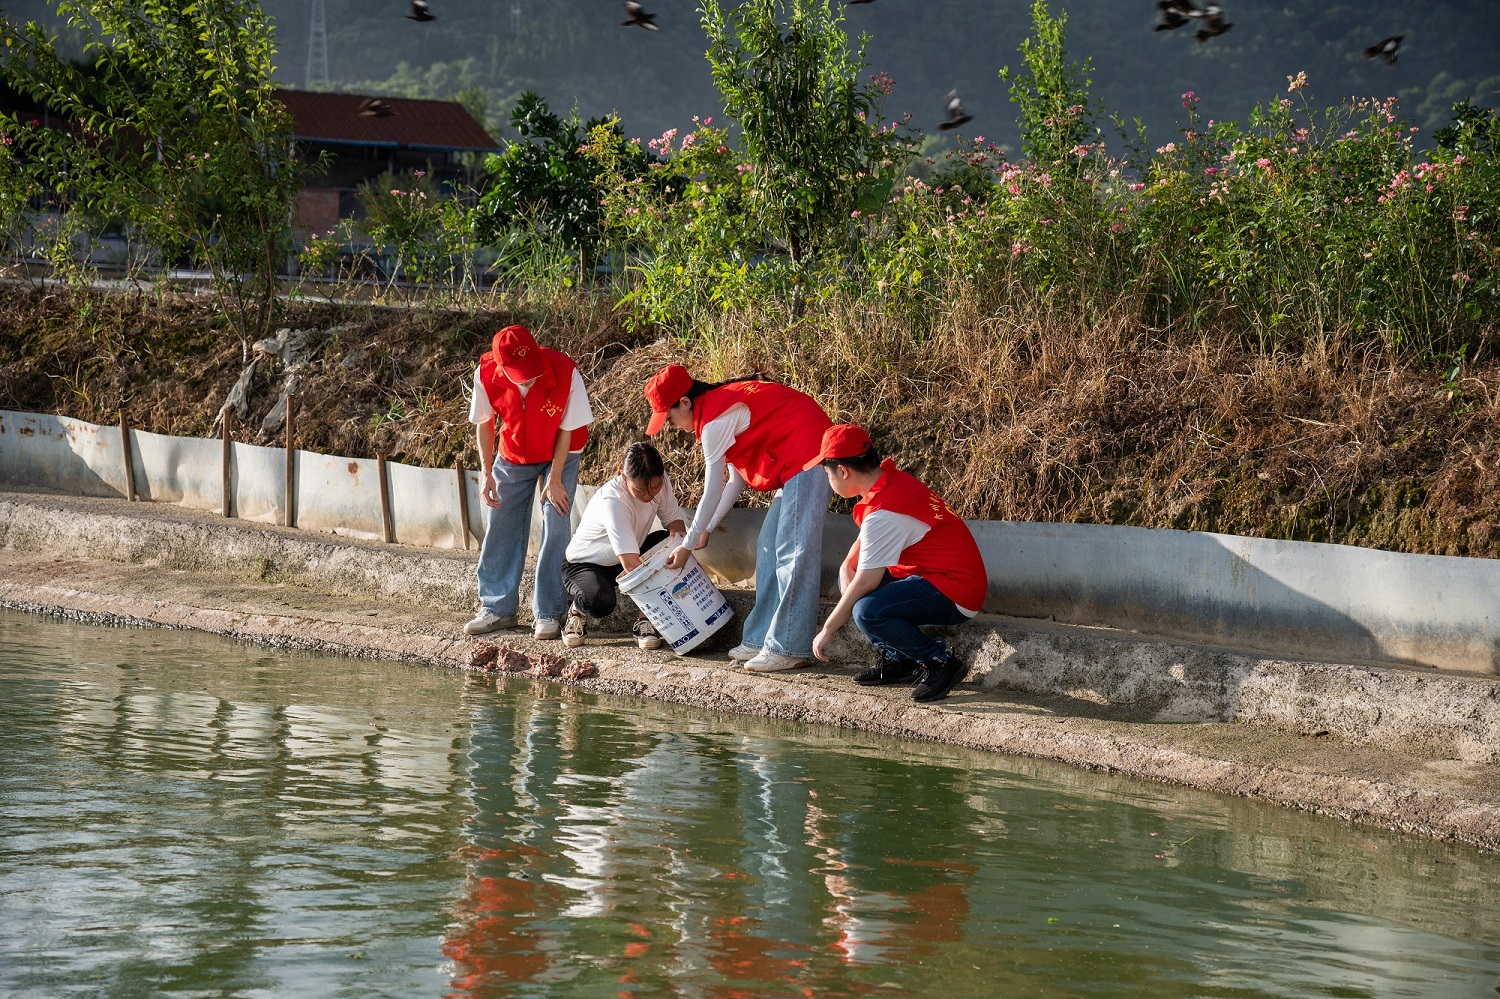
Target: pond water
x,y
184,815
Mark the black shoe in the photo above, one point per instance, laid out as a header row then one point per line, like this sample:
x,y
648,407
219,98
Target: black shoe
x,y
941,676
888,669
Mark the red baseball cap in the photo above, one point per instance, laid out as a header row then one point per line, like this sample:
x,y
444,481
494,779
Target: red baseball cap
x,y
846,440
519,356
664,390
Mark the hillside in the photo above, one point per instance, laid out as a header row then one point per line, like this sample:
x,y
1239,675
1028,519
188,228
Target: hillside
x,y
574,51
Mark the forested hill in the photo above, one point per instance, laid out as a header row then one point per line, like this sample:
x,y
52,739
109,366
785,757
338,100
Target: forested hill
x,y
574,51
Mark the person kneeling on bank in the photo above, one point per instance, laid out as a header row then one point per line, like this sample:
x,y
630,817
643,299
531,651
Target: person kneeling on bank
x,y
612,537
914,564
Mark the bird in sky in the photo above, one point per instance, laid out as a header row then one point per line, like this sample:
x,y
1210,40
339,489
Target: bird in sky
x,y
375,107
1174,14
636,17
956,114
1385,49
419,12
1213,22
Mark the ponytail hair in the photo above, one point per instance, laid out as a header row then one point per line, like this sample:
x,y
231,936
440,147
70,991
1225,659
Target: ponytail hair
x,y
643,462
698,388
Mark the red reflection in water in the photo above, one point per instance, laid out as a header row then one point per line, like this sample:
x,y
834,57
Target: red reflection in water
x,y
493,943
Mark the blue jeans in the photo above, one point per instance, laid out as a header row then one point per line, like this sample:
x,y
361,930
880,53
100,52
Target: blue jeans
x,y
502,556
891,617
789,568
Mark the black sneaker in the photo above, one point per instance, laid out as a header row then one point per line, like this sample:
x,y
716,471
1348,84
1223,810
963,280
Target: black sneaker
x,y
888,669
646,635
941,676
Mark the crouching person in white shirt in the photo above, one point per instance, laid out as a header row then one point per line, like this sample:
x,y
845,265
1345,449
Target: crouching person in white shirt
x,y
614,532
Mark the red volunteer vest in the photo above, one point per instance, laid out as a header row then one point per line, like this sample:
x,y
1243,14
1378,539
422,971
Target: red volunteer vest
x,y
947,556
526,429
785,431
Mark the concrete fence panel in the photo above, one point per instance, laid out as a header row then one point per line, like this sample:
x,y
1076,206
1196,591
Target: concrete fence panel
x,y
258,482
61,453
180,470
337,495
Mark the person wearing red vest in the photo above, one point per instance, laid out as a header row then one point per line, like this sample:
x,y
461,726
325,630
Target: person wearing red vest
x,y
762,434
914,564
529,404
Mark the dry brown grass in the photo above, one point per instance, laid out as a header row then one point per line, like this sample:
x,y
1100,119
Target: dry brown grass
x,y
1016,411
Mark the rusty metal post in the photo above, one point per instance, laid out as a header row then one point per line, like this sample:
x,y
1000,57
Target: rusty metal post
x,y
463,503
129,457
225,466
291,462
387,523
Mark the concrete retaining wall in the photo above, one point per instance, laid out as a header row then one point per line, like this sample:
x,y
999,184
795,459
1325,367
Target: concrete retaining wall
x,y
1293,599
1088,672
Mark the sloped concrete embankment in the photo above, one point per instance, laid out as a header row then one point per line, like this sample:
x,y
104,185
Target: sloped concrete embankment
x,y
1091,671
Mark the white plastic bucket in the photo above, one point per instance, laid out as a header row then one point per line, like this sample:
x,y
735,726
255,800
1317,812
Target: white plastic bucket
x,y
683,604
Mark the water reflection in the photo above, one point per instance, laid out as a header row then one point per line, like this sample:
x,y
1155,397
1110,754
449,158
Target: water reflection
x,y
180,813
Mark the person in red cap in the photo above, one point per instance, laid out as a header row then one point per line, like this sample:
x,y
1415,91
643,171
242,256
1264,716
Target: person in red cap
x,y
914,564
761,434
530,403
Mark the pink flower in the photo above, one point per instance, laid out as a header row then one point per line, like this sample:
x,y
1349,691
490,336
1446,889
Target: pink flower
x,y
1016,249
1210,171
1263,163
854,214
1296,82
414,173
1014,189
1137,187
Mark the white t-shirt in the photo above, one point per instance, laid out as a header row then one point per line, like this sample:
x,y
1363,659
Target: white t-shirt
x,y
616,522
577,414
884,535
719,435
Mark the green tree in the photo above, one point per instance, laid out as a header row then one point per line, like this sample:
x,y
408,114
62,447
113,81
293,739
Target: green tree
x,y
173,128
544,181
1053,95
809,117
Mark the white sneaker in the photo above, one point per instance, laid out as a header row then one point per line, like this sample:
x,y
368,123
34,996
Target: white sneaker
x,y
575,629
485,622
773,662
743,653
545,629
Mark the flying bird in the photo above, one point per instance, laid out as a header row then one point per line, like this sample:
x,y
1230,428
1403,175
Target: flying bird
x,y
956,114
1213,22
1385,49
636,17
419,12
1174,14
375,107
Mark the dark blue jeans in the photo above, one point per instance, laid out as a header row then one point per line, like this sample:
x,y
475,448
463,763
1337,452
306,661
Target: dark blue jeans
x,y
892,615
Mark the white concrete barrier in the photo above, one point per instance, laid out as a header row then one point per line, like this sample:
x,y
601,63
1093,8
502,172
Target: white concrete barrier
x,y
1295,599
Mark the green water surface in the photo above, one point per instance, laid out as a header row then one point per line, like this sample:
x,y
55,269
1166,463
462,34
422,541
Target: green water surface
x,y
182,815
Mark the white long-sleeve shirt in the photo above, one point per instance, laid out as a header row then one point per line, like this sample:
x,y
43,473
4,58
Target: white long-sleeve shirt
x,y
719,435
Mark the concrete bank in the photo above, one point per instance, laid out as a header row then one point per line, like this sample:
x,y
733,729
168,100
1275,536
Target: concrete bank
x,y
1409,749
